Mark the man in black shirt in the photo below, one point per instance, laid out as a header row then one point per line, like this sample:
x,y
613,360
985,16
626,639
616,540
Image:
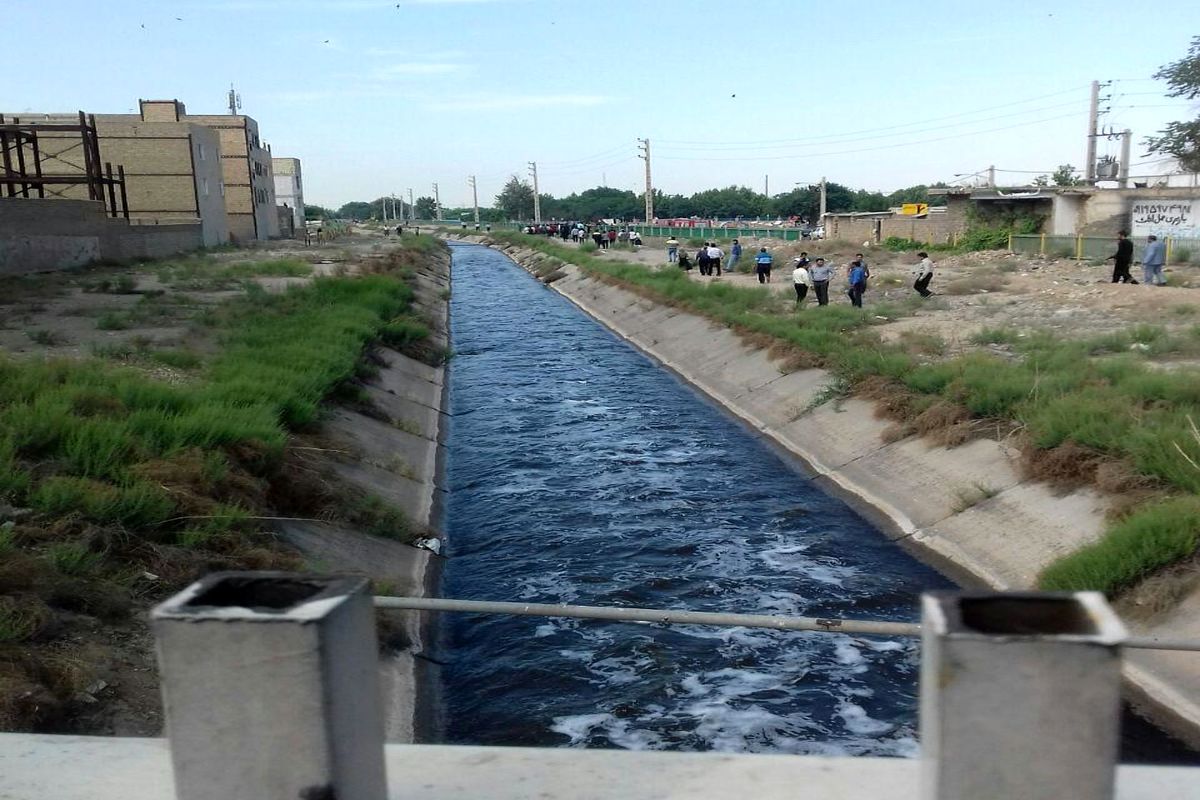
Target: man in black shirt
x,y
1122,259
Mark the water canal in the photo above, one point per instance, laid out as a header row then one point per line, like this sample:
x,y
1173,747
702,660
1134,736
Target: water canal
x,y
581,472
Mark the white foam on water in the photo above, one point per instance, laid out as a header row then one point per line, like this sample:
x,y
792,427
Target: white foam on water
x,y
858,721
580,728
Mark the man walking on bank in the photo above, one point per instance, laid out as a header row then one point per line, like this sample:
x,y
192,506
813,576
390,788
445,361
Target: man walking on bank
x,y
924,274
735,255
1122,259
858,283
1152,262
762,265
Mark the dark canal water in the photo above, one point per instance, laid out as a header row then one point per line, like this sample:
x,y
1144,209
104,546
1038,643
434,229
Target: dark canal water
x,y
580,472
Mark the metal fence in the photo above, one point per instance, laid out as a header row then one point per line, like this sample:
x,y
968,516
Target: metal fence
x,y
708,232
1179,251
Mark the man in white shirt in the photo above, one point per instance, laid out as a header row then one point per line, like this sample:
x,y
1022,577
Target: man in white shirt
x,y
800,280
716,256
924,274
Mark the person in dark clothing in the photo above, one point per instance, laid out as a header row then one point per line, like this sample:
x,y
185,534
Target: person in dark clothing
x,y
685,263
858,283
702,260
1122,259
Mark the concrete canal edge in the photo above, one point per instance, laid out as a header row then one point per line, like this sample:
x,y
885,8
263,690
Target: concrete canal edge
x,y
915,491
412,395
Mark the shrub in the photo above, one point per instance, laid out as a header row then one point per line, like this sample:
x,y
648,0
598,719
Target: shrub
x,y
180,359
1181,255
112,321
73,558
1153,537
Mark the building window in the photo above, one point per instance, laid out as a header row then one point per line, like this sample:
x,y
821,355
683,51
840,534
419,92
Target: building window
x,y
200,152
204,186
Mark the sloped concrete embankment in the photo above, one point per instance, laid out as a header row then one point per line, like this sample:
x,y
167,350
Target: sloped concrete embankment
x,y
397,460
968,509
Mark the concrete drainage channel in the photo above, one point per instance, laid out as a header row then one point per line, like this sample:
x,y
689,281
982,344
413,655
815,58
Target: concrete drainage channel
x,y
909,487
409,393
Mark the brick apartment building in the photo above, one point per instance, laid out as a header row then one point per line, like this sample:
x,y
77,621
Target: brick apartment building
x,y
172,168
180,166
246,166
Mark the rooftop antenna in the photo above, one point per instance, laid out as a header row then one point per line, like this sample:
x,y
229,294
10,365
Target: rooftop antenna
x,y
235,101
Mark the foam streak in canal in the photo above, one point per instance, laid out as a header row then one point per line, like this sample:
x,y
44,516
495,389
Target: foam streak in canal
x,y
581,472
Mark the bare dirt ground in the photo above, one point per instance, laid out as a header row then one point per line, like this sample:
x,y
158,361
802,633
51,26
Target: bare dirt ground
x,y
991,289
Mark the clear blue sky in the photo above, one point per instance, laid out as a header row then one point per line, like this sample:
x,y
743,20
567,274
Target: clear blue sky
x,y
378,96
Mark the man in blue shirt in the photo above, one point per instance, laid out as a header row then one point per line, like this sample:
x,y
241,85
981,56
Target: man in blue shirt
x,y
762,265
1153,260
858,283
735,255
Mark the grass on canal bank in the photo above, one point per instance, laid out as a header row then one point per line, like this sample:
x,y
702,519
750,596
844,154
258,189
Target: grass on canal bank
x,y
117,488
1090,411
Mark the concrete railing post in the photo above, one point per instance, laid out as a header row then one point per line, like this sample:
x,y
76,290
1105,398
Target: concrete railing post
x,y
1020,696
271,685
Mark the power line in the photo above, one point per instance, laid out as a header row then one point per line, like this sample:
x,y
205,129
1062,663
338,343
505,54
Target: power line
x,y
891,127
838,140
871,149
597,157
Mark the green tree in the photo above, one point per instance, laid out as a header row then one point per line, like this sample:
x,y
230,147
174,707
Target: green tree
x,y
317,212
426,208
516,199
1181,139
1066,175
356,209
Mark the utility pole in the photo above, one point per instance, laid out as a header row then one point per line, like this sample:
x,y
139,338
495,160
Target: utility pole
x,y
400,216
992,176
1123,175
437,202
823,199
412,207
1093,131
644,146
537,198
474,196
766,185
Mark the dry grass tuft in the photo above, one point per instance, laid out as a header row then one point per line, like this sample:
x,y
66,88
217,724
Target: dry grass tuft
x,y
1067,466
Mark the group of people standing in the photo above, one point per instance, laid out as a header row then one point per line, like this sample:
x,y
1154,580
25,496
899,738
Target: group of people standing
x,y
808,274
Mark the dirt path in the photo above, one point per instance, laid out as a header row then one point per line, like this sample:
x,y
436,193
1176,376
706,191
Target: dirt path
x,y
975,291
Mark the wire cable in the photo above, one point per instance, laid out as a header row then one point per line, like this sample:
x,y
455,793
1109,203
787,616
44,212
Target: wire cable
x,y
868,149
889,127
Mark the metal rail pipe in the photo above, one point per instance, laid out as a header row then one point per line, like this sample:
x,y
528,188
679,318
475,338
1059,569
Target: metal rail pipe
x,y
655,615
863,627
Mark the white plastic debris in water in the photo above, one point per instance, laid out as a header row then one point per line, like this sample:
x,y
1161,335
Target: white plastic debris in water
x,y
432,545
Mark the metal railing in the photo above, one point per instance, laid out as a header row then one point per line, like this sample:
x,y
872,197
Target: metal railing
x,y
271,686
662,616
1096,247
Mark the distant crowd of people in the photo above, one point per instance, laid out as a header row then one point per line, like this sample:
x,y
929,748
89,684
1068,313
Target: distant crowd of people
x,y
807,274
602,235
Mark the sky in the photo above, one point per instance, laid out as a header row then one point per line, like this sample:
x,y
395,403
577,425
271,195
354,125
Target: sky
x,y
379,96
